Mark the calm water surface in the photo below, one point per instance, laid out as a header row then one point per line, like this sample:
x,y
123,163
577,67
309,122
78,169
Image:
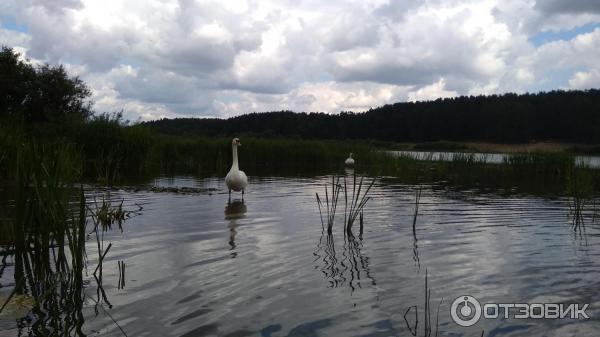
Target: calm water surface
x,y
197,265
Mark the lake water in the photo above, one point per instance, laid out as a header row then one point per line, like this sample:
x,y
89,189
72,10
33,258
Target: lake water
x,y
197,265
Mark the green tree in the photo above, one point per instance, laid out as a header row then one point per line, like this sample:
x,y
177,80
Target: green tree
x,y
40,95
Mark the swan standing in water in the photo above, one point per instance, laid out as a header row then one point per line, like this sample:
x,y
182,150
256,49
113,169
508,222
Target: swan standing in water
x,y
349,161
236,180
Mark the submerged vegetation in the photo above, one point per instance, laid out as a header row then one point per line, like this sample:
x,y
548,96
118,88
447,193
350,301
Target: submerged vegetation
x,y
43,230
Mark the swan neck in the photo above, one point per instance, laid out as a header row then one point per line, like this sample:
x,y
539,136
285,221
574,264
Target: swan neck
x,y
234,166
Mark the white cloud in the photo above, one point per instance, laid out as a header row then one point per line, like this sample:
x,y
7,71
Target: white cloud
x,y
583,80
14,39
313,97
215,58
570,59
431,92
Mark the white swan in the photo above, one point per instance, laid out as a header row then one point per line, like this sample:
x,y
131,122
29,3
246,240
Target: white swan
x,y
350,160
236,180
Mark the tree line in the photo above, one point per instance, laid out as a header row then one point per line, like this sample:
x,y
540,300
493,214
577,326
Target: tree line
x,y
564,116
45,99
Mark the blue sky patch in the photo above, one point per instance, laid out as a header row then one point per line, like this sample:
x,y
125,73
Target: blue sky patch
x,y
10,24
557,79
563,35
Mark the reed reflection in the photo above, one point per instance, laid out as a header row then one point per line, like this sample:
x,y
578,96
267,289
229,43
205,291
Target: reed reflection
x,y
348,267
234,211
48,279
414,228
47,244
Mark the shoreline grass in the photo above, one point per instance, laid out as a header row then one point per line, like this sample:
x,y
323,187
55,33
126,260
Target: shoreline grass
x,y
485,147
106,152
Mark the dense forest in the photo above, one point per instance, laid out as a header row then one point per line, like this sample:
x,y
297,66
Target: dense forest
x,y
562,116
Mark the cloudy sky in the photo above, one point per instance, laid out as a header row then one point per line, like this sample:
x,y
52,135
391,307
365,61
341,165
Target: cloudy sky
x,y
220,58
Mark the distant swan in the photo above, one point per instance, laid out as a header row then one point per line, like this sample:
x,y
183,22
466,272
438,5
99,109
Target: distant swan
x,y
349,161
236,180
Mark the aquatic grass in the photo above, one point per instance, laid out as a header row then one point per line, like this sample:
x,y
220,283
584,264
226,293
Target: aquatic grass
x,y
579,190
112,152
47,237
469,159
552,163
357,202
427,328
330,204
47,219
414,227
418,193
121,265
356,197
105,214
361,224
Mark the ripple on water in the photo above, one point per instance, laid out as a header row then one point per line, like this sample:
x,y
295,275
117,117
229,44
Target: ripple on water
x,y
200,266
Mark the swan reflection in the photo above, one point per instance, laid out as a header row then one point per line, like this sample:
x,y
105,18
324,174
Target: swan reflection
x,y
235,210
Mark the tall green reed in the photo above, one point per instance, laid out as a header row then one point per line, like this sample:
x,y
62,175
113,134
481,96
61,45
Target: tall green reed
x,y
357,202
47,236
356,197
331,201
580,195
44,229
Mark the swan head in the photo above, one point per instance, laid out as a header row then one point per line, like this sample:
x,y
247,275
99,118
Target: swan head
x,y
351,154
236,142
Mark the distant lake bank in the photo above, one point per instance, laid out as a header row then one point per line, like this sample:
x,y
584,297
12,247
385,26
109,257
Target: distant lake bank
x,y
495,148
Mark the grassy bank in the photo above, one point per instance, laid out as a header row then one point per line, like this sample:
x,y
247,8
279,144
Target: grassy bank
x,y
109,152
106,151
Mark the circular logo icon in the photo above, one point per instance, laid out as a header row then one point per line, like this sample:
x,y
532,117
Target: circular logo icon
x,y
465,310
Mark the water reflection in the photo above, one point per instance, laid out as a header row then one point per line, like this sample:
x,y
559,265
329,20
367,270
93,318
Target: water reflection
x,y
49,278
349,267
414,228
182,280
234,211
50,265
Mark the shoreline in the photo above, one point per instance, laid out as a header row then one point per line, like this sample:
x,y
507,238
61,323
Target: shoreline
x,y
483,147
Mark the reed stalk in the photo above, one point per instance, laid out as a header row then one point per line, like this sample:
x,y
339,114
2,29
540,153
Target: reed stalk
x,y
358,200
331,202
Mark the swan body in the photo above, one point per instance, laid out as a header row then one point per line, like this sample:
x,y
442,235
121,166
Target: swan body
x,y
349,161
236,179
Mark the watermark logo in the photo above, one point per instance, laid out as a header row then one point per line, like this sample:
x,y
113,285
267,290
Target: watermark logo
x,y
466,310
